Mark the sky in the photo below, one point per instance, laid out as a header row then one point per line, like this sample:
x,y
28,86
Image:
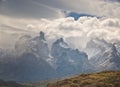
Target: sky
x,y
71,19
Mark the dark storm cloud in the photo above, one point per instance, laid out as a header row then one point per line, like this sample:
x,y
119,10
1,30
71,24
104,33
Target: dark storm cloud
x,y
107,8
52,8
113,0
27,8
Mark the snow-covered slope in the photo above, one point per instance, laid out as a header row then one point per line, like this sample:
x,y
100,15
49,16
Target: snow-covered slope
x,y
32,60
96,47
105,55
68,61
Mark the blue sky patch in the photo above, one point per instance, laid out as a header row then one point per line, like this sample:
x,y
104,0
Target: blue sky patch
x,y
77,15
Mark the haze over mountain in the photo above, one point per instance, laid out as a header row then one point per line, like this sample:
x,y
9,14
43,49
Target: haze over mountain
x,y
25,64
69,61
32,59
42,39
104,55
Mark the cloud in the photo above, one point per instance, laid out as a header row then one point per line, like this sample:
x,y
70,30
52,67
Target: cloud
x,y
95,7
55,8
32,16
77,32
28,9
107,9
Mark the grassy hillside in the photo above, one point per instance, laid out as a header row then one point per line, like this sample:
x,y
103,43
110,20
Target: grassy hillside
x,y
101,79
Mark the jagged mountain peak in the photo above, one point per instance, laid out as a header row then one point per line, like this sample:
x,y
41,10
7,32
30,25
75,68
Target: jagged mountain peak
x,y
113,48
42,35
112,51
61,43
60,40
68,61
107,59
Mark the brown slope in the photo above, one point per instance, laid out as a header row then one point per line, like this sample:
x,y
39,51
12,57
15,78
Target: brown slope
x,y
101,79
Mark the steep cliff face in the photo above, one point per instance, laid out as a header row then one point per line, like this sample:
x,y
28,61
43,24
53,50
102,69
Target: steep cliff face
x,y
35,45
31,60
106,56
111,58
68,61
28,62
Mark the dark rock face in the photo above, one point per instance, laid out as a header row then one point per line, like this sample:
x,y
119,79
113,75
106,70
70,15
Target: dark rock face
x,y
33,61
42,35
68,61
27,67
29,63
34,69
115,57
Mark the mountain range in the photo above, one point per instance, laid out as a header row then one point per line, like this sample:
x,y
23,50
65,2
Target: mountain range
x,y
32,59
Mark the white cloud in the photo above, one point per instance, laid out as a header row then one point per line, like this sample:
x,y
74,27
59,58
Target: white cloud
x,y
28,9
79,32
108,9
94,7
